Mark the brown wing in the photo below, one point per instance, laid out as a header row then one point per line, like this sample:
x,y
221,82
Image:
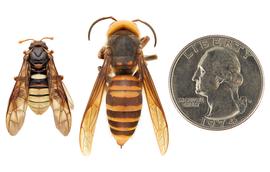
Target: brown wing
x,y
155,108
91,112
18,100
59,101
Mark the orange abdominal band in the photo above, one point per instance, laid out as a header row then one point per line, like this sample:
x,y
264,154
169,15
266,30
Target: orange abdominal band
x,y
123,24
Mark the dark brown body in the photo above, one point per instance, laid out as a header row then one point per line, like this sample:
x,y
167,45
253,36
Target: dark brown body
x,y
124,73
124,96
124,104
39,98
124,46
39,86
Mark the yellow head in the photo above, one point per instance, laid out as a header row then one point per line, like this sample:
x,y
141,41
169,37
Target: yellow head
x,y
123,24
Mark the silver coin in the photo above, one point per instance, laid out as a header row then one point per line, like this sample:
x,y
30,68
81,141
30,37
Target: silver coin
x,y
216,82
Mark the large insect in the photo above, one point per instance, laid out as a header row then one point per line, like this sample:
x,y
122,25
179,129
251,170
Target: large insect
x,y
39,86
123,74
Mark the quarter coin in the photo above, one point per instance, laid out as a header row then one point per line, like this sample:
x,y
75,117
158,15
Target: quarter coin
x,y
216,82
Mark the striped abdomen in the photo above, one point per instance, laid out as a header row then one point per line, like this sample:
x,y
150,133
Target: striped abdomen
x,y
38,99
124,104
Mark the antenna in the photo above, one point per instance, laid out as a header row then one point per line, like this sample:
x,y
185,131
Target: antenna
x,y
46,37
98,20
25,40
153,31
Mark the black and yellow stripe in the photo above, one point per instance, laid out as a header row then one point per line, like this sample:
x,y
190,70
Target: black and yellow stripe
x,y
38,99
124,104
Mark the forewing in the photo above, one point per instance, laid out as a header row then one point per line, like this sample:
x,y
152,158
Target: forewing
x,y
18,101
155,108
59,100
70,101
90,115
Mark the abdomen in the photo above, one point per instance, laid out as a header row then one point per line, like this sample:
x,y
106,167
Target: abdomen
x,y
124,104
38,99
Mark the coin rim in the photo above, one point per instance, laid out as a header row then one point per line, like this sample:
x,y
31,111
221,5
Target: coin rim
x,y
179,108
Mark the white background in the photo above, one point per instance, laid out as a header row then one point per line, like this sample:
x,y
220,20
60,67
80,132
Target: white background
x,y
40,147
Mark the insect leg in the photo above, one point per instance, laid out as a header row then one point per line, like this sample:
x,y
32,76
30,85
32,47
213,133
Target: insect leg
x,y
150,57
101,52
144,41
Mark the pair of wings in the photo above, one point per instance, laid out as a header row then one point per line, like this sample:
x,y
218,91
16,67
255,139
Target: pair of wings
x,y
60,99
90,116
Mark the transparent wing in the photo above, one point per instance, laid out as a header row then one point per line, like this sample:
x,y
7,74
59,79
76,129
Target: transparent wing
x,y
90,115
59,100
70,101
155,108
18,101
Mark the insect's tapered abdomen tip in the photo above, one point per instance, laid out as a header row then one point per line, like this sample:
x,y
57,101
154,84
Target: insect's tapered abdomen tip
x,y
120,140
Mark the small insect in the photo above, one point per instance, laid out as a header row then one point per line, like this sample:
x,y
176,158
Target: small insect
x,y
39,86
123,74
